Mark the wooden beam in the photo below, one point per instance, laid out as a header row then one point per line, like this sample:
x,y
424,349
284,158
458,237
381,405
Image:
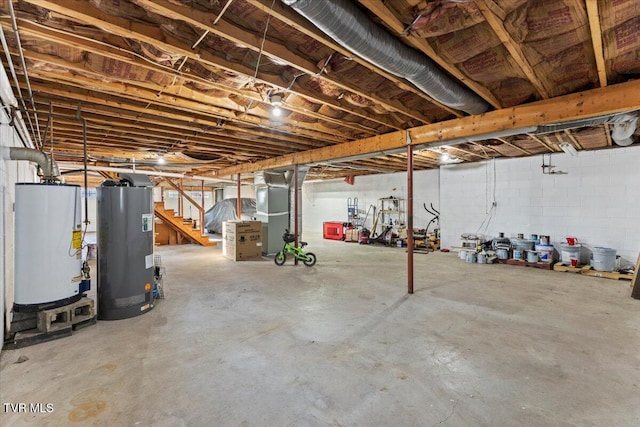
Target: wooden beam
x,y
162,118
194,103
543,143
504,141
513,47
588,104
385,15
117,53
84,12
613,99
179,189
268,47
181,90
596,39
607,134
573,139
193,119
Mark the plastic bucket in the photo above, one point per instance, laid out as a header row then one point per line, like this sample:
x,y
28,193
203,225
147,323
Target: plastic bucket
x,y
518,254
545,252
502,253
482,259
569,251
462,254
532,256
603,259
471,257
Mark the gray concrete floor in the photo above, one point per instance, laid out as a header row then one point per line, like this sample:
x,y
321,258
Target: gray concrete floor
x,y
342,344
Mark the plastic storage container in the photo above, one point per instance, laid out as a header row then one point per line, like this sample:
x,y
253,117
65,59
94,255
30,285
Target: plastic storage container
x,y
569,251
545,252
603,259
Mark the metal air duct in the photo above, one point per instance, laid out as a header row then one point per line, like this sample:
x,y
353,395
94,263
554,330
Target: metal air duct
x,y
49,167
349,26
624,127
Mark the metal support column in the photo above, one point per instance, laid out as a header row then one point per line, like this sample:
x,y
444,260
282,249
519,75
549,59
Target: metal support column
x,y
238,200
295,207
409,215
202,205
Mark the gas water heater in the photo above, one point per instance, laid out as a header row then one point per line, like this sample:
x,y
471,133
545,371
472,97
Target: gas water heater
x,y
48,235
125,247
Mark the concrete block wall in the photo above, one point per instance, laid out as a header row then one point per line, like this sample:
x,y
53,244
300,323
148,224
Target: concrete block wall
x,y
324,201
11,171
597,200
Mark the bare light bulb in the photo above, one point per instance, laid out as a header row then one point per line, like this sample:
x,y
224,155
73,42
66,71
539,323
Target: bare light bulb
x,y
276,111
161,161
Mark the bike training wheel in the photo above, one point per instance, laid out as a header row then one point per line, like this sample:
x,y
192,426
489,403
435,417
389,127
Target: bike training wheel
x,y
280,258
311,259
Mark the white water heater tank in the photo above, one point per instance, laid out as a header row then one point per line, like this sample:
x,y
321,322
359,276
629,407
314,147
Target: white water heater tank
x,y
48,236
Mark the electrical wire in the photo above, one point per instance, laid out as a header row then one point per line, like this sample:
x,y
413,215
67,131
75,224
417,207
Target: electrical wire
x,y
484,225
264,38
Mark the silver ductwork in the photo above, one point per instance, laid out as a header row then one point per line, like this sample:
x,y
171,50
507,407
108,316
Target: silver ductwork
x,y
49,166
624,126
350,27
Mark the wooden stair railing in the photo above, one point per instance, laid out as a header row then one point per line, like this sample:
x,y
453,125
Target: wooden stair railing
x,y
178,224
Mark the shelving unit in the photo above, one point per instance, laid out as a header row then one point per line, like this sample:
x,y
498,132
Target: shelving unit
x,y
390,214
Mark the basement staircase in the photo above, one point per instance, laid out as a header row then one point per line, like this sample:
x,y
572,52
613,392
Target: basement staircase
x,y
179,224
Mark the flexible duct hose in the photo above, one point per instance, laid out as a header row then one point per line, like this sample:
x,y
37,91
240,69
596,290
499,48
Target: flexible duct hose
x,y
349,26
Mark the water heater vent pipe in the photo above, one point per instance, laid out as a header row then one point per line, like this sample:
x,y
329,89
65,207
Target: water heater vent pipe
x,y
49,166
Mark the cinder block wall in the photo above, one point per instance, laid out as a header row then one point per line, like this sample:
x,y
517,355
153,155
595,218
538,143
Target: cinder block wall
x,y
324,201
597,200
11,171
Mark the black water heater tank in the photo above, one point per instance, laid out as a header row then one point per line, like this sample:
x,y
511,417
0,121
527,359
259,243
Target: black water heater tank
x,y
125,247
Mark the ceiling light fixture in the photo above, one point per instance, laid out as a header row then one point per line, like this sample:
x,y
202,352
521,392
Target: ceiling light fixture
x,y
161,160
568,148
276,101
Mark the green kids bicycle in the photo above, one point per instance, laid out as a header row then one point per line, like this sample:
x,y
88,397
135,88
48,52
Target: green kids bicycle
x,y
308,258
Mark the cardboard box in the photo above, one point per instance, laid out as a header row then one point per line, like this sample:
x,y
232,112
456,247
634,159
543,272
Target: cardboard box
x,y
242,240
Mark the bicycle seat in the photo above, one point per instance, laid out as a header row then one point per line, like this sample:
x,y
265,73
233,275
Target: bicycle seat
x,y
303,244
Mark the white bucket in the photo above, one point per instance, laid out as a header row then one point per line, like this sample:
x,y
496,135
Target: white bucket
x,y
568,251
502,253
545,252
471,257
462,254
518,254
532,256
482,259
603,259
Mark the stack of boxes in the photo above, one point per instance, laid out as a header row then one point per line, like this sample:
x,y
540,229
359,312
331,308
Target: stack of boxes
x,y
242,240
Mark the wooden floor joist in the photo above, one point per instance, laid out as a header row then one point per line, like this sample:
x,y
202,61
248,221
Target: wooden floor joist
x,y
593,103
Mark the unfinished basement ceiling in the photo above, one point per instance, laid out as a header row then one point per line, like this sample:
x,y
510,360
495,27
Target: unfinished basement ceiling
x,y
193,81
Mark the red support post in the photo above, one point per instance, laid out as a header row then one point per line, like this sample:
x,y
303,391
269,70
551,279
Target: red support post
x,y
295,207
409,217
238,201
